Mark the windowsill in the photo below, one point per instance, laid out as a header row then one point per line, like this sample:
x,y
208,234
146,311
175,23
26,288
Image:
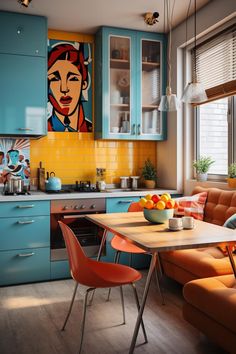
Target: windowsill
x,y
192,183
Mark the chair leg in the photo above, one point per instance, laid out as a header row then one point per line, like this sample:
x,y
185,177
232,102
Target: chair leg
x,y
83,318
138,307
71,305
116,260
122,302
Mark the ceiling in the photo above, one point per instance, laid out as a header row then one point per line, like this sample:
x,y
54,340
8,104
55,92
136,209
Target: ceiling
x,y
88,15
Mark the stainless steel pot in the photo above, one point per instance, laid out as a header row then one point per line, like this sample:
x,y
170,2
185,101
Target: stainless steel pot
x,y
15,184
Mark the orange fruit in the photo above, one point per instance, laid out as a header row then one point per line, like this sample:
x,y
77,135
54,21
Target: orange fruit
x,y
148,197
142,202
160,205
170,204
149,204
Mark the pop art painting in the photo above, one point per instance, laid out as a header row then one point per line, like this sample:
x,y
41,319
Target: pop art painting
x,y
15,159
69,86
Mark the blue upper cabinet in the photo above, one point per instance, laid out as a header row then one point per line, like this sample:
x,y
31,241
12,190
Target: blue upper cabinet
x,y
23,69
130,77
23,34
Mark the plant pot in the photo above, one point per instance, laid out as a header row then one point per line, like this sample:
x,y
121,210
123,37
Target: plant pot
x,y
231,182
201,177
150,184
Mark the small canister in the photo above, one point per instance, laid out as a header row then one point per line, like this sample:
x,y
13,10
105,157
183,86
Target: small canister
x,y
124,182
134,182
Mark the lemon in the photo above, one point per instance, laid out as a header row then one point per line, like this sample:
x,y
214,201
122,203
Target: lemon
x,y
164,198
168,195
142,202
160,205
148,196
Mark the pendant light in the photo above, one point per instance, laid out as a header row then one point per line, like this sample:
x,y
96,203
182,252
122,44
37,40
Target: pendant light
x,y
194,91
169,101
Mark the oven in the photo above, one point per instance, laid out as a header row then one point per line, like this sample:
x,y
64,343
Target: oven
x,y
72,212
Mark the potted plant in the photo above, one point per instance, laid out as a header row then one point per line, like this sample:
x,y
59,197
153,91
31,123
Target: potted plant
x,y
232,175
149,174
202,166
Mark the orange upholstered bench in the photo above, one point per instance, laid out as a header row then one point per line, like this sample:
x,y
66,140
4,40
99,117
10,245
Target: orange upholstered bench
x,y
186,265
211,307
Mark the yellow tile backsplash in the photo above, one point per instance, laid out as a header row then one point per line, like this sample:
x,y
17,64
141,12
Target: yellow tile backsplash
x,y
75,156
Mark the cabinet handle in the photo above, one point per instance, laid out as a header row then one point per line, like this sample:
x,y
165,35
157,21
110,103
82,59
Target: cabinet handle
x,y
25,206
26,129
138,129
25,222
133,129
125,201
26,254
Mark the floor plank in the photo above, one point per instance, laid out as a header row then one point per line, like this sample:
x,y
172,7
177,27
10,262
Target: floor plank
x,y
31,316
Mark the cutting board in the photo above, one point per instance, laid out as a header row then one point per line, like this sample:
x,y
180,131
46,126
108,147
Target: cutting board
x,y
41,177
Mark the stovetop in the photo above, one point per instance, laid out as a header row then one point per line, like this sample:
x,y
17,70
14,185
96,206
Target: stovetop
x,y
79,187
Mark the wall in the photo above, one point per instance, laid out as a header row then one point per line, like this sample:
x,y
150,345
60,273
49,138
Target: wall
x,y
75,156
177,150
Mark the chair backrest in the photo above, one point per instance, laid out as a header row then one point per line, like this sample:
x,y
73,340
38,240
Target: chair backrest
x,y
77,259
135,207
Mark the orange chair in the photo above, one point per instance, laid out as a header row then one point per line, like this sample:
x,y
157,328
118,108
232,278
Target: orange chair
x,y
95,274
122,245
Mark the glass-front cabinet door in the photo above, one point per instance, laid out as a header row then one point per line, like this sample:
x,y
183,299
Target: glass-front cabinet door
x,y
120,85
152,81
150,84
129,82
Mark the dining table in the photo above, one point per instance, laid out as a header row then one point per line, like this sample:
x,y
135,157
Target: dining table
x,y
155,238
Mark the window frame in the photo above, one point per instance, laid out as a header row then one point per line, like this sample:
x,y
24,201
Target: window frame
x,y
231,118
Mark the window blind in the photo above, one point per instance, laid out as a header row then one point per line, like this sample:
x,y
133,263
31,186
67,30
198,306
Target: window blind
x,y
216,64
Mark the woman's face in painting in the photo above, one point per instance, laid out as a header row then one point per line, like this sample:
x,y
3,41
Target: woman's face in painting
x,y
65,84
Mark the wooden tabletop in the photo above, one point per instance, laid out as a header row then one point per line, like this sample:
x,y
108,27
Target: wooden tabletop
x,y
157,237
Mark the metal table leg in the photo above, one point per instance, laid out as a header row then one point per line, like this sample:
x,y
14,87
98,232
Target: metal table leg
x,y
143,302
231,258
104,236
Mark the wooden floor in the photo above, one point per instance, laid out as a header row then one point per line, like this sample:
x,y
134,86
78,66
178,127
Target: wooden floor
x,y
31,316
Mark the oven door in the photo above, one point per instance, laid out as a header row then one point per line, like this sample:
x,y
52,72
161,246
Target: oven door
x,y
88,234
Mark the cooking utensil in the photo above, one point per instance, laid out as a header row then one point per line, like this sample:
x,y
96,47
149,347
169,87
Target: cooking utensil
x,y
53,183
41,177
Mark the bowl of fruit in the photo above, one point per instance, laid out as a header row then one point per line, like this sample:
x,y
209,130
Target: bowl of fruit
x,y
158,209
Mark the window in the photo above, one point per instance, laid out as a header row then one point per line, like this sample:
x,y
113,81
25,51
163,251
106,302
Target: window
x,y
216,119
215,133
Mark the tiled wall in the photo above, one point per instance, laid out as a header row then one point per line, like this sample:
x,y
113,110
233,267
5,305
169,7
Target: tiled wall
x,y
75,156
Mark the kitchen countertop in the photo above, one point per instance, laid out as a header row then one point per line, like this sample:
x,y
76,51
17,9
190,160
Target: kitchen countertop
x,y
111,193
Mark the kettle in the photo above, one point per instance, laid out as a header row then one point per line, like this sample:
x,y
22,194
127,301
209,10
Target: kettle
x,y
53,184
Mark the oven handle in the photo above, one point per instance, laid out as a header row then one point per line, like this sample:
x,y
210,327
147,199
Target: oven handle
x,y
72,216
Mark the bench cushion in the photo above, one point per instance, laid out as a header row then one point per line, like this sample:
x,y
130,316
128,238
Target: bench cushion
x,y
215,297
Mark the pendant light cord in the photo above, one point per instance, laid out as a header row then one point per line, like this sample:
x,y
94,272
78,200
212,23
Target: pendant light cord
x,y
195,43
169,15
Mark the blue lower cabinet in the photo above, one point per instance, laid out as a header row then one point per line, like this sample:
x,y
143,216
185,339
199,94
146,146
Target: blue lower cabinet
x,y
60,269
24,232
119,205
24,266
